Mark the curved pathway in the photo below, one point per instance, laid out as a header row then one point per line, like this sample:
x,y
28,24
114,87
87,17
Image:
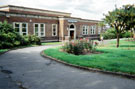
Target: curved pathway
x,y
31,71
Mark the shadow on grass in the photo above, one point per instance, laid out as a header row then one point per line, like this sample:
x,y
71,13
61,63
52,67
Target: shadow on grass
x,y
123,46
127,45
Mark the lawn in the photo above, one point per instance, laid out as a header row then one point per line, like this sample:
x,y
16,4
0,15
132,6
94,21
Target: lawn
x,y
51,43
114,59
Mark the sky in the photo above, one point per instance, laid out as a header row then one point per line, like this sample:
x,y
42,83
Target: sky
x,y
86,9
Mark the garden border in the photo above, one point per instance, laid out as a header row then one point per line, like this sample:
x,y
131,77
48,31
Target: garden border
x,y
87,68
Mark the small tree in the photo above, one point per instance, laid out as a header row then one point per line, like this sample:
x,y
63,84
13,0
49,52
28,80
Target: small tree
x,y
122,19
116,20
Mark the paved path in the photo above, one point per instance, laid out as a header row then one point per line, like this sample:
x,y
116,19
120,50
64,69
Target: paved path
x,y
34,72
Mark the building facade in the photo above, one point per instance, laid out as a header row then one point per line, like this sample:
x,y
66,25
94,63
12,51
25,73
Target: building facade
x,y
49,25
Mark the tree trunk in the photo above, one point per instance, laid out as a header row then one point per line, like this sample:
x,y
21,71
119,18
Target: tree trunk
x,y
118,39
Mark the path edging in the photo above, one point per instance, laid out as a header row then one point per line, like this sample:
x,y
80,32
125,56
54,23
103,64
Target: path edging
x,y
87,68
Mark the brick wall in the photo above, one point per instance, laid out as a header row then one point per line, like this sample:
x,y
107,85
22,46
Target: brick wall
x,y
48,27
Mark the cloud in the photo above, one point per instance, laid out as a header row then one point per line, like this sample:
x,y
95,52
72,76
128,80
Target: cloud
x,y
87,9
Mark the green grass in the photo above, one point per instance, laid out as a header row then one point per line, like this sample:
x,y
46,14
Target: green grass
x,y
3,50
114,59
51,43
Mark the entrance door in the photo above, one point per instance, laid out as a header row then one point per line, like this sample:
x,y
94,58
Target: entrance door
x,y
72,34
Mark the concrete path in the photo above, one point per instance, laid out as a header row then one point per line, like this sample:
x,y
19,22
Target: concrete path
x,y
31,71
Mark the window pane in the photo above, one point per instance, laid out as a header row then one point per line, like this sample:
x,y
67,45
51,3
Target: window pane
x,y
42,34
36,25
54,26
16,25
86,31
24,30
17,29
42,29
42,25
54,29
24,34
23,25
54,34
36,30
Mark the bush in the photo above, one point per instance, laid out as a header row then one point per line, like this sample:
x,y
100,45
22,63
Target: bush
x,y
111,34
31,39
127,34
10,38
80,46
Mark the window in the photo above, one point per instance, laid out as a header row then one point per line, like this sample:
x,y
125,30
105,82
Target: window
x,y
21,28
24,29
17,27
54,29
39,29
42,29
93,30
85,30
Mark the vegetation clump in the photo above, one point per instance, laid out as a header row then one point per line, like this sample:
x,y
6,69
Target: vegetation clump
x,y
82,46
111,34
10,38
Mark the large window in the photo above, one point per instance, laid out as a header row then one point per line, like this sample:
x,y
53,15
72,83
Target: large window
x,y
93,30
39,29
54,29
85,30
21,28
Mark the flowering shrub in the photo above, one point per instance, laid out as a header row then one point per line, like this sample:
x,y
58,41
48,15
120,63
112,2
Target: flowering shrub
x,y
80,46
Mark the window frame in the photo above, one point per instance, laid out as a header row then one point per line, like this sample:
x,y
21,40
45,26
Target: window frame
x,y
53,31
85,30
39,29
21,27
93,29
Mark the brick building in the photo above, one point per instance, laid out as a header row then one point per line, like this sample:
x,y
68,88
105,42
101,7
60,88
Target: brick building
x,y
49,25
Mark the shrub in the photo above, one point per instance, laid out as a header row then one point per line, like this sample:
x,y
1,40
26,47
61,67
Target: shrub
x,y
31,39
127,34
10,38
79,46
111,34
8,35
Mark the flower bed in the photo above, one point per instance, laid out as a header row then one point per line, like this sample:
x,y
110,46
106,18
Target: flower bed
x,y
82,46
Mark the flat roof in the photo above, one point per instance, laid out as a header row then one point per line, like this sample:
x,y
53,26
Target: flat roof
x,y
36,9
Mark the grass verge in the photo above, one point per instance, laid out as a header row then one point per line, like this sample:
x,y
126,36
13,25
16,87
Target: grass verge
x,y
3,50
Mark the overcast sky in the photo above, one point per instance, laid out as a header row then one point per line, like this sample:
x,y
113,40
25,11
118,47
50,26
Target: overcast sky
x,y
87,9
